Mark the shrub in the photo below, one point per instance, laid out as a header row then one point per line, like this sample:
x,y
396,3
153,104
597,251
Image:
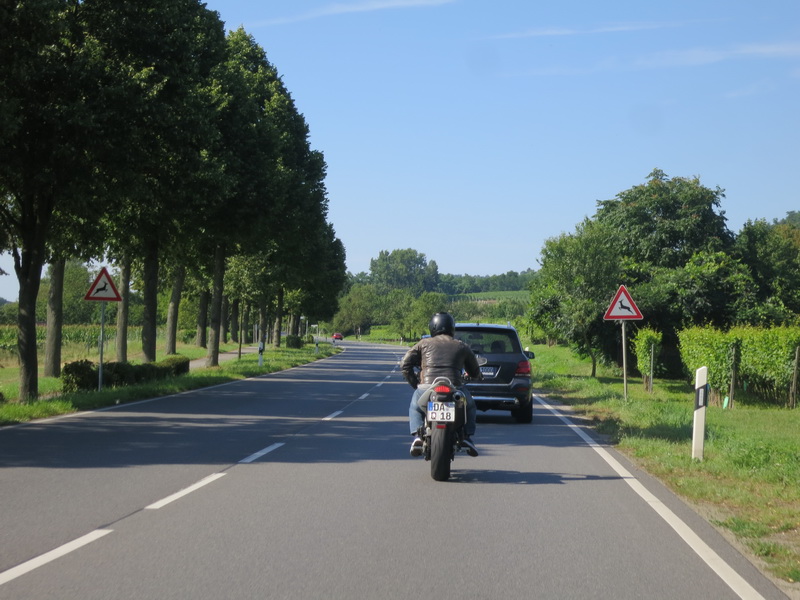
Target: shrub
x,y
116,374
176,365
78,375
294,341
645,339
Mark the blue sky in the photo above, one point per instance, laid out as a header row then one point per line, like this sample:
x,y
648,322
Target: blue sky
x,y
474,130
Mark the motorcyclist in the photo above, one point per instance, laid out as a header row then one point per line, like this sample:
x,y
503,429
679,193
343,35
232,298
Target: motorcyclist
x,y
440,355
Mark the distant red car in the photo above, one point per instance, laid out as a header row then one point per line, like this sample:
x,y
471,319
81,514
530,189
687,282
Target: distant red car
x,y
338,336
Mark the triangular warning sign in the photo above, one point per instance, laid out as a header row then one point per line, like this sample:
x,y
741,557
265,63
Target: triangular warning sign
x,y
622,307
103,289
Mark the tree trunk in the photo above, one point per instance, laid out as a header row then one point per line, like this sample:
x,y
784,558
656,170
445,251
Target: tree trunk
x,y
236,306
244,332
201,340
28,268
55,320
172,310
123,311
150,294
225,319
262,323
276,329
212,358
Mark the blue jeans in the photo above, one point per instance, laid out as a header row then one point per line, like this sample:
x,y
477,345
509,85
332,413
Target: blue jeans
x,y
416,416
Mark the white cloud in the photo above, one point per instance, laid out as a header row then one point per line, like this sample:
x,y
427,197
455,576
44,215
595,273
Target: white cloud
x,y
562,31
706,56
355,7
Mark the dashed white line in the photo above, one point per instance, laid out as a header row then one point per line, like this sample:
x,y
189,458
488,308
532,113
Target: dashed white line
x,y
261,453
332,415
362,396
164,501
725,572
39,561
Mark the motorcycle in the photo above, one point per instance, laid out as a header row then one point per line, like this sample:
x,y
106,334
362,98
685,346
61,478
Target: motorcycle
x,y
443,432
445,415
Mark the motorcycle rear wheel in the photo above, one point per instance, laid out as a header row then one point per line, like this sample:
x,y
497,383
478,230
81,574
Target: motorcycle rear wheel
x,y
440,454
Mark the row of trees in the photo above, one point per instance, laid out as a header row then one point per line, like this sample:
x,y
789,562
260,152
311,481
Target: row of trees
x,y
410,270
402,290
139,133
668,242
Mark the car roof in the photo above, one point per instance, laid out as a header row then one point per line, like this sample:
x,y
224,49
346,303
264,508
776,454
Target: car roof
x,y
484,326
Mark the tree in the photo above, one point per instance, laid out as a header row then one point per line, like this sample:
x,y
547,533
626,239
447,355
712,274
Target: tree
x,y
56,111
664,222
578,276
772,255
424,307
403,269
357,308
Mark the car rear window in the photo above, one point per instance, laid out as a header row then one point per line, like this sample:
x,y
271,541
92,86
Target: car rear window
x,y
487,341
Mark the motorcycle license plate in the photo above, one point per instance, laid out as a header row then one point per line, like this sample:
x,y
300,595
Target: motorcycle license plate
x,y
442,411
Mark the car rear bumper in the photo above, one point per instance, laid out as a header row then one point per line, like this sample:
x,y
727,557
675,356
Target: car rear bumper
x,y
489,396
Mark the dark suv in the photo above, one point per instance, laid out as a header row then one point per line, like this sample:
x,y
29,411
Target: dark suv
x,y
506,381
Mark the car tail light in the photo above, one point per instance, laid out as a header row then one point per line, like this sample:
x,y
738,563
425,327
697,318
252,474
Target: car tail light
x,y
523,368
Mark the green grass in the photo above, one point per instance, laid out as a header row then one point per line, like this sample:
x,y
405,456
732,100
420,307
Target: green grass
x,y
52,402
749,480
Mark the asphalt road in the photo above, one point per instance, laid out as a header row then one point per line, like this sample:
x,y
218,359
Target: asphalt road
x,y
299,485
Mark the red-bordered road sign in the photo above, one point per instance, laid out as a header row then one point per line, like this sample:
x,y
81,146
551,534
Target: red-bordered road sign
x,y
103,289
623,307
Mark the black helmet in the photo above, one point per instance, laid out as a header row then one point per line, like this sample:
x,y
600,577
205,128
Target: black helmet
x,y
442,323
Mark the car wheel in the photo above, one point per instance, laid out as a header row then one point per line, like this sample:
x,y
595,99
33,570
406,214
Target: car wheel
x,y
524,414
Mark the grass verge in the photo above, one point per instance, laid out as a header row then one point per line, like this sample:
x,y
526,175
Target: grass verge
x,y
748,483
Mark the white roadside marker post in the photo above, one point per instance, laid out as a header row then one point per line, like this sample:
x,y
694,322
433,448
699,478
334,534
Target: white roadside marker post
x,y
700,403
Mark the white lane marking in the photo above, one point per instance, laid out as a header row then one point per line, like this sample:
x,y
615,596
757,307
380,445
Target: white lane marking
x,y
164,501
333,415
725,572
39,561
362,396
261,453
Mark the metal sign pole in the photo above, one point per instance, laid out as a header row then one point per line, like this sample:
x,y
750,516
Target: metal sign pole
x,y
624,363
102,343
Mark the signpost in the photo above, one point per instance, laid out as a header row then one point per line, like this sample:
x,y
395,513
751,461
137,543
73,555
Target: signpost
x,y
102,290
623,308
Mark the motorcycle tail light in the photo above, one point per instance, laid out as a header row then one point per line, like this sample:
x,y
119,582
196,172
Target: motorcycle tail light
x,y
523,368
442,389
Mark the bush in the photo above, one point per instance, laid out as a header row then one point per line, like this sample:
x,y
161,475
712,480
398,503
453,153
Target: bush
x,y
645,339
176,365
79,375
294,341
116,374
83,374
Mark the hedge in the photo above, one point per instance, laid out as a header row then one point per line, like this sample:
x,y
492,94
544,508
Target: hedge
x,y
84,374
764,359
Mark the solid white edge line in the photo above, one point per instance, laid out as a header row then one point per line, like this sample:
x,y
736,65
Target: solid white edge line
x,y
39,561
332,415
164,501
725,572
261,453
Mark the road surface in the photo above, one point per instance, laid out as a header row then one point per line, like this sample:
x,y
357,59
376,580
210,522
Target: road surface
x,y
299,485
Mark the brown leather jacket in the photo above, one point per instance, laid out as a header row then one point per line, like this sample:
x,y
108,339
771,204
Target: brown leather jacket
x,y
439,356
